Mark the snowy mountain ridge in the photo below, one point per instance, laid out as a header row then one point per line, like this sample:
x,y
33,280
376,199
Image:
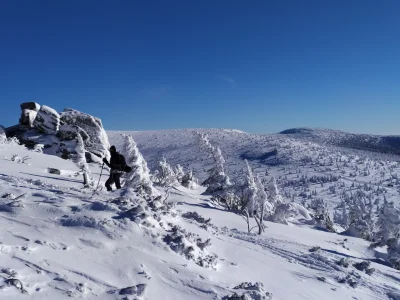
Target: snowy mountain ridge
x,y
369,142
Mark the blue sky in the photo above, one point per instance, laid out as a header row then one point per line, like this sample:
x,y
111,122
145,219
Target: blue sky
x,y
259,66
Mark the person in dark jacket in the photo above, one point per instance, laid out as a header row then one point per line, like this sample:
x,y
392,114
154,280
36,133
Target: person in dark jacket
x,y
117,165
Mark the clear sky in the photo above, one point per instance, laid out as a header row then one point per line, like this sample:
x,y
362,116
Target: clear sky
x,y
259,66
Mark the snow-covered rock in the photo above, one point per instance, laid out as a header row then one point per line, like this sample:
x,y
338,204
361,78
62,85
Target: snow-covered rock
x,y
47,120
28,117
91,127
30,105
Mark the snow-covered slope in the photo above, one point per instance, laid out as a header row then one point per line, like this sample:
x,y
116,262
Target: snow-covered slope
x,y
62,241
294,162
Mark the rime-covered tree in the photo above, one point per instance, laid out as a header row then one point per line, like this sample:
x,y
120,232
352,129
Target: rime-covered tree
x,y
189,181
248,195
362,221
165,174
179,173
388,224
262,205
388,233
3,137
320,214
81,162
279,211
218,182
139,178
274,197
341,216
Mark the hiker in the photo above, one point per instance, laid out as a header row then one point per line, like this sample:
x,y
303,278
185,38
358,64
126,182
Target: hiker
x,y
117,165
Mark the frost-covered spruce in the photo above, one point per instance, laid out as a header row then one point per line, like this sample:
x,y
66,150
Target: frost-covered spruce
x,y
139,178
388,223
80,160
362,220
247,195
388,233
341,216
218,182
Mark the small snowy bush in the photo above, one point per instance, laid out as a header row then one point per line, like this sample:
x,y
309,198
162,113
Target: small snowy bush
x,y
191,246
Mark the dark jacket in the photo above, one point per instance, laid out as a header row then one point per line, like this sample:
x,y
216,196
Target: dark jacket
x,y
117,161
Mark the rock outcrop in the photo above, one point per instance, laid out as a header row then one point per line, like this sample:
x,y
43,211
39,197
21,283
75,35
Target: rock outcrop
x,y
29,113
59,132
90,128
47,120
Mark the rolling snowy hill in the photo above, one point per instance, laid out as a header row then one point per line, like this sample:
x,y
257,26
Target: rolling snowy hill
x,y
60,240
368,142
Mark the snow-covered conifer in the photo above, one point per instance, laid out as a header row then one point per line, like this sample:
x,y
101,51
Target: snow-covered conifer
x,y
362,221
139,178
217,182
81,162
388,223
321,214
341,216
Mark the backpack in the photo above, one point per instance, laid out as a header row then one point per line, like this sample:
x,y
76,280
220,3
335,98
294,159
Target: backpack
x,y
124,166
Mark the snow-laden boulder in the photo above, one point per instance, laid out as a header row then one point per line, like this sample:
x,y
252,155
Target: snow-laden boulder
x,y
28,117
30,105
89,126
47,120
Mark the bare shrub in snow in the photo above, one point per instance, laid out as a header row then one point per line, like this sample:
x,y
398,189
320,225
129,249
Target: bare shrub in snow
x,y
21,160
25,159
250,291
15,157
191,246
362,266
16,283
13,141
344,262
38,148
195,216
165,174
138,290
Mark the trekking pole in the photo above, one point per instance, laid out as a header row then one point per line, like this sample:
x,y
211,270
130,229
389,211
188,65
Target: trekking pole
x,y
101,173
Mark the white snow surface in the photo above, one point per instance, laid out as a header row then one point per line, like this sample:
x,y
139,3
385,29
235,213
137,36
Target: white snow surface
x,y
61,241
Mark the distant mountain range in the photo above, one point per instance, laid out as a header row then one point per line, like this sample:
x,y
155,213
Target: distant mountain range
x,y
368,142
